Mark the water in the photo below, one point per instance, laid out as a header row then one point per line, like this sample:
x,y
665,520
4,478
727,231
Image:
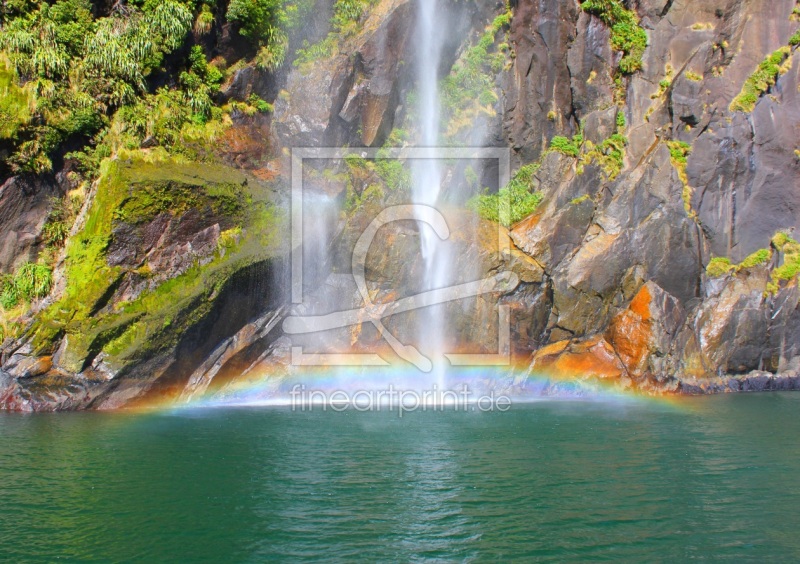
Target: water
x,y
427,178
712,478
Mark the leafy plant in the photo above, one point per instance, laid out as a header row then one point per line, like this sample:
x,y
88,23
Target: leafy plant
x,y
609,155
29,282
569,147
626,33
510,204
267,24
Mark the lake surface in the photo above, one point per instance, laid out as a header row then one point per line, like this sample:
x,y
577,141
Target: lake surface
x,y
712,478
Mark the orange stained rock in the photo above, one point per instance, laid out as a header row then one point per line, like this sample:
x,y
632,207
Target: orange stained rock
x,y
630,336
641,303
525,225
630,332
593,358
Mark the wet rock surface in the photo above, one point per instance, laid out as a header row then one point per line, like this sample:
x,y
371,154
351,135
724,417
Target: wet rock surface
x,y
611,265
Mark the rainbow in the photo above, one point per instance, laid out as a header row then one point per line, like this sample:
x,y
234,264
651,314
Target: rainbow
x,y
515,384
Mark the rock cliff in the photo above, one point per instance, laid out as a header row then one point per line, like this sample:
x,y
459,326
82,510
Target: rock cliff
x,y
661,138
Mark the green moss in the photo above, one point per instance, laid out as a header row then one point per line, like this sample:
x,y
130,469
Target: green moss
x,y
679,152
135,192
761,256
514,202
765,76
149,199
621,121
626,33
580,199
788,270
719,266
790,249
693,76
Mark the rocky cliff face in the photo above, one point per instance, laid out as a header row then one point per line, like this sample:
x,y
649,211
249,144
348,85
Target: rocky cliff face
x,y
660,257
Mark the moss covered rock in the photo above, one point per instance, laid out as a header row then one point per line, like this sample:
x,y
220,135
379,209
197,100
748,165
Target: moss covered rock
x,y
158,241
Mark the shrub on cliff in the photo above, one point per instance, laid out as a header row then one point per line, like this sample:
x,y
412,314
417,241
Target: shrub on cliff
x,y
512,203
626,33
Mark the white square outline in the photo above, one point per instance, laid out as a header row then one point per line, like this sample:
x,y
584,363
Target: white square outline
x,y
299,154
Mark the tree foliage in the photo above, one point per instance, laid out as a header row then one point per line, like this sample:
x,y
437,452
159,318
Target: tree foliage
x,y
76,69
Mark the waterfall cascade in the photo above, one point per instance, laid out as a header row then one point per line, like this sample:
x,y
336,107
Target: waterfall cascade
x,y
427,179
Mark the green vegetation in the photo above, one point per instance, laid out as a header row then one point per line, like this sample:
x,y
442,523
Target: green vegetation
x,y
59,221
765,76
761,256
31,281
626,33
135,192
89,77
569,147
469,90
693,76
15,101
790,269
80,68
267,24
664,84
512,203
719,266
200,82
382,176
609,155
679,152
346,14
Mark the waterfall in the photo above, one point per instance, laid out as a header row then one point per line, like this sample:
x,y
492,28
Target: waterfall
x,y
427,178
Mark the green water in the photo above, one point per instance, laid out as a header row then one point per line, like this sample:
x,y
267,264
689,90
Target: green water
x,y
717,478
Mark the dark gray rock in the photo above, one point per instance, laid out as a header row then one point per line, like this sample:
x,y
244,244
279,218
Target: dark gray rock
x,y
25,203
